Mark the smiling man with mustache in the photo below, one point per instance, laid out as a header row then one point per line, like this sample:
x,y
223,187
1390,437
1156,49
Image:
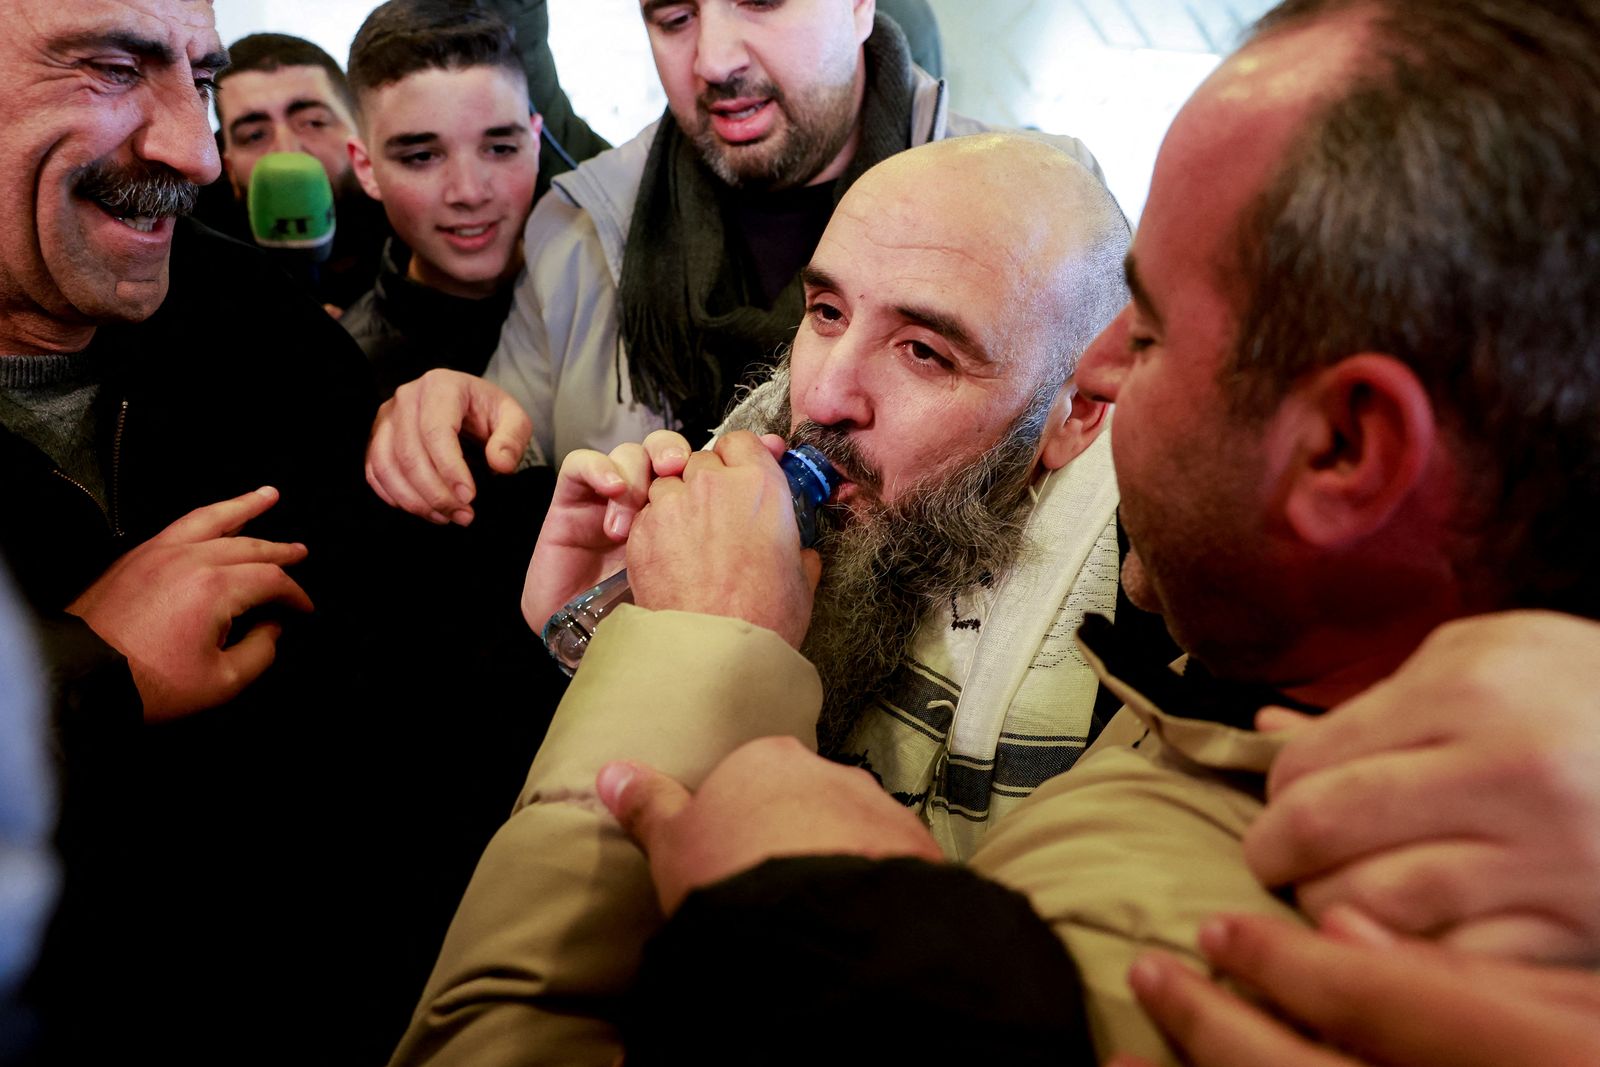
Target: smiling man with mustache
x,y
177,495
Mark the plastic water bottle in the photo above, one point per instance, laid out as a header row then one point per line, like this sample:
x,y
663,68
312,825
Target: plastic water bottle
x,y
566,635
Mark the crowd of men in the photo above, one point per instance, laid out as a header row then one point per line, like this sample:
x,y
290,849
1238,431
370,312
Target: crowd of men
x,y
1196,663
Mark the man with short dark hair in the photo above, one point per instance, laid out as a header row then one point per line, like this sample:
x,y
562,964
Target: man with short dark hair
x,y
284,94
663,275
448,144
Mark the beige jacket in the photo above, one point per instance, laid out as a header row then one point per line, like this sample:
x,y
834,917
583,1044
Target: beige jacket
x,y
1135,847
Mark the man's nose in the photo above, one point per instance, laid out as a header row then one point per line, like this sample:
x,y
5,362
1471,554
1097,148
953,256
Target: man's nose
x,y
1100,371
285,139
177,133
465,183
720,51
837,395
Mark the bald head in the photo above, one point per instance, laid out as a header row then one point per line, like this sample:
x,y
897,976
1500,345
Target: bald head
x,y
1029,217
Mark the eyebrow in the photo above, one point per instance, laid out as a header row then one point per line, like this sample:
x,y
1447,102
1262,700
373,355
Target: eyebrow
x,y
261,116
941,323
146,48
650,7
411,140
1141,295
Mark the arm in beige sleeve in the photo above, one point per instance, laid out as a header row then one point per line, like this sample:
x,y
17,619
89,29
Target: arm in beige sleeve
x,y
548,935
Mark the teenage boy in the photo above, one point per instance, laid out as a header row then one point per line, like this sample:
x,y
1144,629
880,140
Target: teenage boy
x,y
448,143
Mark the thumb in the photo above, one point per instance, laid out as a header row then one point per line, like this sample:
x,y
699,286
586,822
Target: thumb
x,y
811,564
1275,719
509,432
249,658
644,800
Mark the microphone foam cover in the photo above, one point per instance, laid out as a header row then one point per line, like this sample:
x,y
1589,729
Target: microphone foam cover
x,y
291,203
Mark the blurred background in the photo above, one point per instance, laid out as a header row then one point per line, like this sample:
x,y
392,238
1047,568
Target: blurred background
x,y
1112,72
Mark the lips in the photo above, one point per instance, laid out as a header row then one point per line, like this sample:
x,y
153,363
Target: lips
x,y
470,237
744,119
157,227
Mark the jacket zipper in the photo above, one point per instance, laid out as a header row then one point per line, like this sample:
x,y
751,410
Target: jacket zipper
x,y
116,470
113,496
70,480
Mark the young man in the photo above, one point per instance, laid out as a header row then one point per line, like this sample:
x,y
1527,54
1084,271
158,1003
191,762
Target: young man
x,y
284,94
448,144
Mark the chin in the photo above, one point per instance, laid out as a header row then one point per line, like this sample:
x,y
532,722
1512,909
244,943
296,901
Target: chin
x,y
1136,584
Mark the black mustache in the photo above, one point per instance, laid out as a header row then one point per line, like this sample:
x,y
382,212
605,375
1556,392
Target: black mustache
x,y
736,88
150,191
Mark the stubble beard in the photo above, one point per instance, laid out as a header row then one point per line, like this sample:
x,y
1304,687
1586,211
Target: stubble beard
x,y
886,566
812,134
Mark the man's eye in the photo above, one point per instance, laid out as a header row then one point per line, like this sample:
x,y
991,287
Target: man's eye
x,y
925,353
251,136
417,159
207,88
503,150
824,312
1139,342
122,74
673,21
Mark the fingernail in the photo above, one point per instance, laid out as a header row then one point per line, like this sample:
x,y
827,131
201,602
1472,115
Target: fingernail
x,y
462,517
1343,922
464,493
508,452
1213,937
614,524
611,480
612,780
438,518
266,491
674,453
1146,976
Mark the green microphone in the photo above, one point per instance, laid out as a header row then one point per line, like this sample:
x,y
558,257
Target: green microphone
x,y
291,205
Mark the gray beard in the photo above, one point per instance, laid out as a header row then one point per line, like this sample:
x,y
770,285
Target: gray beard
x,y
885,567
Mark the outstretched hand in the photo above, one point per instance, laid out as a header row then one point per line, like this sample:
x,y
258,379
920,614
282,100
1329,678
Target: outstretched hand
x,y
414,457
169,604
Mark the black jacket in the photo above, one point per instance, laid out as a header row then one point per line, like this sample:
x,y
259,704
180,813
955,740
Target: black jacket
x,y
406,328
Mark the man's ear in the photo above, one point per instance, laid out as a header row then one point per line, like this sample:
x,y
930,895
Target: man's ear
x,y
1072,425
1360,436
361,163
864,10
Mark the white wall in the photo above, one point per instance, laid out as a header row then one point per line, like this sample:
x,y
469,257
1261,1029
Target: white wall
x,y
1038,63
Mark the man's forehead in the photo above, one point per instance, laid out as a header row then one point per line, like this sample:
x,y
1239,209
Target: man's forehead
x,y
285,83
185,26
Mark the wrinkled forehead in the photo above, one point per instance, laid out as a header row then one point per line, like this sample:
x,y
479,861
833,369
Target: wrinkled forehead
x,y
184,27
898,242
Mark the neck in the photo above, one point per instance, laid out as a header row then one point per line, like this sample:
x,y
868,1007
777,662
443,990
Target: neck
x,y
423,273
37,334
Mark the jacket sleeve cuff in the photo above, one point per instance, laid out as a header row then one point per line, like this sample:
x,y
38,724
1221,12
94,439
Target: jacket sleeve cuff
x,y
678,691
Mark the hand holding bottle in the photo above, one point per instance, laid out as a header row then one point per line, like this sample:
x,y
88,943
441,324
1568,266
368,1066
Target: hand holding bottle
x,y
585,531
722,540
